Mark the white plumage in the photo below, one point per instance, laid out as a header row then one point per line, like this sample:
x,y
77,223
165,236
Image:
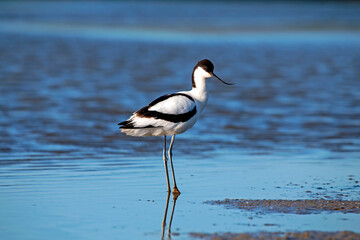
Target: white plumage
x,y
177,104
172,114
174,105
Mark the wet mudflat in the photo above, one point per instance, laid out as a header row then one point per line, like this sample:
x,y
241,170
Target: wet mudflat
x,y
308,235
305,206
288,130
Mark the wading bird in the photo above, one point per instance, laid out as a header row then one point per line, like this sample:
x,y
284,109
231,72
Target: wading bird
x,y
172,114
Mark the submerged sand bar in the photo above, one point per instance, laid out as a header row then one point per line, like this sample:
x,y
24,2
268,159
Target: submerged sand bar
x,y
307,235
312,206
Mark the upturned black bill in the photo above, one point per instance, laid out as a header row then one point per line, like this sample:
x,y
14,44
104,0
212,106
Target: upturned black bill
x,y
221,80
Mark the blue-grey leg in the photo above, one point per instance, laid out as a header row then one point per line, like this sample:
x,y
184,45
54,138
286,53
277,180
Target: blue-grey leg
x,y
163,225
172,214
165,164
176,190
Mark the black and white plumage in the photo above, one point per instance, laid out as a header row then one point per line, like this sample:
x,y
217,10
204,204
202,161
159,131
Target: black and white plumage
x,y
172,114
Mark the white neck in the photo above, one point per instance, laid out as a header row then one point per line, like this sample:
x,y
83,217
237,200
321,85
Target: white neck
x,y
199,91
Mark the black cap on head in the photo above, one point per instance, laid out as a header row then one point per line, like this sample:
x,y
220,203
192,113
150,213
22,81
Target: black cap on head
x,y
205,64
208,67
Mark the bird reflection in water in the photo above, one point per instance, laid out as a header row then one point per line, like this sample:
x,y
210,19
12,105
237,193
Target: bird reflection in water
x,y
163,226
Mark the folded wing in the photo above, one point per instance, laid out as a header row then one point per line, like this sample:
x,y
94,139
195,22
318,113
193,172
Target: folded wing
x,y
175,108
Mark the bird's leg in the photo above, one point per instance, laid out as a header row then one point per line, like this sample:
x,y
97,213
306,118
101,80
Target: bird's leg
x,y
171,216
176,190
165,164
163,225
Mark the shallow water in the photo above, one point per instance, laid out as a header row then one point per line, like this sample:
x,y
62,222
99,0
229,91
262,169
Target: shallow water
x,y
288,129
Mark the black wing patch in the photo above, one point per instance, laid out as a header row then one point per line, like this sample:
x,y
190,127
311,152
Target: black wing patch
x,y
175,118
163,98
126,124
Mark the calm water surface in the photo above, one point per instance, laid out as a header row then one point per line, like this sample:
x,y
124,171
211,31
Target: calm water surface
x,y
288,129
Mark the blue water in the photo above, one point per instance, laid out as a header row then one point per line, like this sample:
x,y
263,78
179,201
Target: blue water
x,y
288,129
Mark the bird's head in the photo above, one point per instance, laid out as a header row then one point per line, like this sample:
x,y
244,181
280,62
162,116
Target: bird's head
x,y
205,69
